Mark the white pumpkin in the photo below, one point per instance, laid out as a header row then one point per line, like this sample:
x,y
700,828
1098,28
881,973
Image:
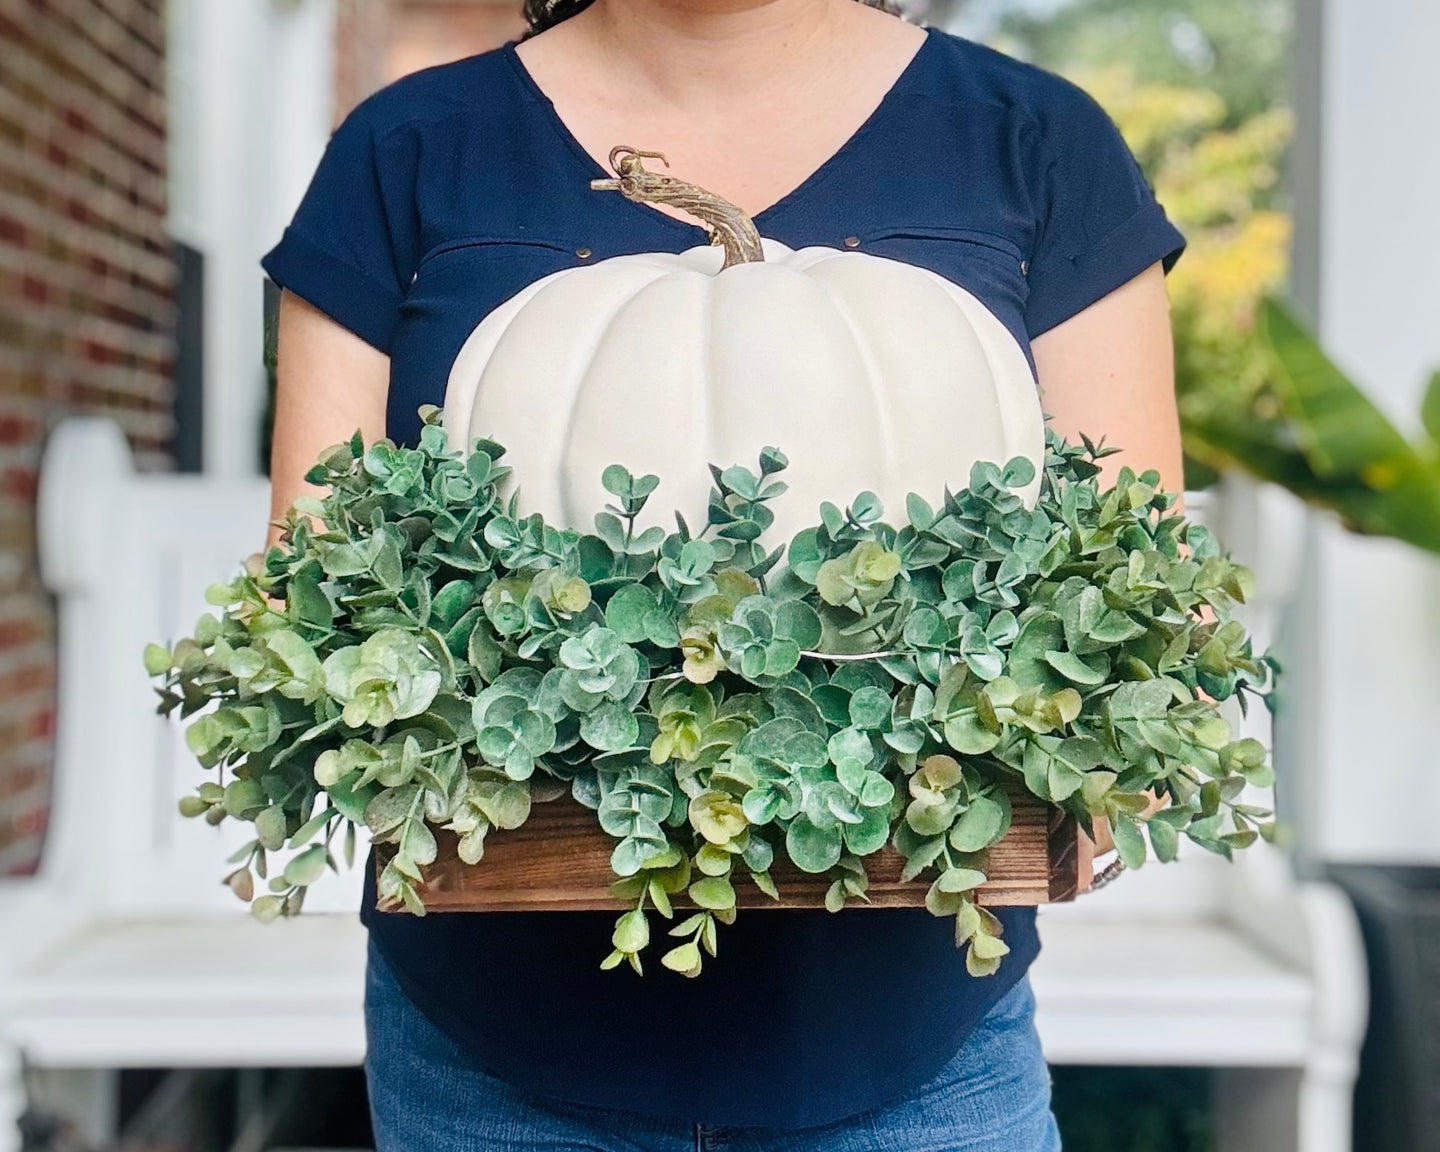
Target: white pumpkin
x,y
867,372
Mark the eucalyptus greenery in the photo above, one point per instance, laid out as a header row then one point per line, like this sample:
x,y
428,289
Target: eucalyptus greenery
x,y
417,655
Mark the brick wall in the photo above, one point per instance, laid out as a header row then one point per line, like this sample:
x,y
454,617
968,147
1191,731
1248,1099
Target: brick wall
x,y
86,318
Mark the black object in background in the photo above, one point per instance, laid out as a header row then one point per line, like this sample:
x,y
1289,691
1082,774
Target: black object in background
x,y
1397,1097
1103,1109
271,307
188,440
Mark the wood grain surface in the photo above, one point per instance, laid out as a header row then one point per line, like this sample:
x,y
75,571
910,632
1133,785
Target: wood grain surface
x,y
559,860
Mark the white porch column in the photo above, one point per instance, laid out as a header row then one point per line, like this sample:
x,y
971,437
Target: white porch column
x,y
251,100
1362,687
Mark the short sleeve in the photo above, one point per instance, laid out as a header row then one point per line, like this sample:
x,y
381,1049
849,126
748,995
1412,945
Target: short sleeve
x,y
1100,224
350,246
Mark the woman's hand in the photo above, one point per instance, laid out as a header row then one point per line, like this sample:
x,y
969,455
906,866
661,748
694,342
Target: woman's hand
x,y
329,383
1109,372
1089,849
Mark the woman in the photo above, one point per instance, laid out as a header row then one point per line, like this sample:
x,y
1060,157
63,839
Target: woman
x,y
833,123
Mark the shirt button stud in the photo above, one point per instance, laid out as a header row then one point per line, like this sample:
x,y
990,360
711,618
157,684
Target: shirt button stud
x,y
852,242
583,253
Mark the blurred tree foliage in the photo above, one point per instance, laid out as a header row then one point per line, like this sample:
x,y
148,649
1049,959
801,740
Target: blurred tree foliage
x,y
1199,88
1236,49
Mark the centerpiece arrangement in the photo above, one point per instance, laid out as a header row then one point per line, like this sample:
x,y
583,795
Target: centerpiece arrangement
x,y
416,656
445,657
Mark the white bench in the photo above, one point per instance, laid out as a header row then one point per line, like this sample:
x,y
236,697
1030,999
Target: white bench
x,y
126,951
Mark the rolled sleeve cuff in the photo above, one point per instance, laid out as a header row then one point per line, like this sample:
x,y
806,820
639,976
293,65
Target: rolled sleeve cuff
x,y
343,292
1126,251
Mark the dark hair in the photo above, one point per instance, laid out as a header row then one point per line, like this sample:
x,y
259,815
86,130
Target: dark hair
x,y
543,14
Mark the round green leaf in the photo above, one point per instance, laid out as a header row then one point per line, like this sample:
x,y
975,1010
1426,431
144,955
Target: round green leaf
x,y
270,828
611,727
966,732
852,774
812,849
626,613
871,834
761,804
1075,669
243,798
307,867
960,880
632,932
714,893
157,660
870,708
978,826
758,854
685,959
781,657
628,857
877,791
797,621
851,744
987,947
1164,839
267,908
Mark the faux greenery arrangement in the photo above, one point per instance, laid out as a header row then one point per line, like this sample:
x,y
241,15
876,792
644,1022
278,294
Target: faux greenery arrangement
x,y
418,655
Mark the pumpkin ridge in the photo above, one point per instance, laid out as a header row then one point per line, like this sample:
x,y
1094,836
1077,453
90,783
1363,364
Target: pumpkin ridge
x,y
825,413
1022,426
564,444
460,386
707,360
1024,432
580,355
986,397
884,415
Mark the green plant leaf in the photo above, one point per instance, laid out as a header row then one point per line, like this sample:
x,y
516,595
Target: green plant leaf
x,y
1074,669
610,727
980,825
713,892
812,849
307,867
685,959
632,932
1430,408
1128,841
960,880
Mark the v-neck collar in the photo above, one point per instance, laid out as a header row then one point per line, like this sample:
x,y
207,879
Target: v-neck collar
x,y
595,170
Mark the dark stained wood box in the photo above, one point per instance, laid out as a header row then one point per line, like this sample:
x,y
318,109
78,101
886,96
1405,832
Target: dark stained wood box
x,y
559,860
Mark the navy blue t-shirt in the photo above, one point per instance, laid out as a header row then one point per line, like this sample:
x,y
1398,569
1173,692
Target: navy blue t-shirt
x,y
446,193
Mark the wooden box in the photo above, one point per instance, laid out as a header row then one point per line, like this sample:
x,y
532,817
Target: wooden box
x,y
559,860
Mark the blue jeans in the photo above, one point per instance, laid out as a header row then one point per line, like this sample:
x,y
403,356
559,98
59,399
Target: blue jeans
x,y
425,1096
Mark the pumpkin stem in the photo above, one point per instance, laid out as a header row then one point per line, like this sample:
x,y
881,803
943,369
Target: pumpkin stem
x,y
727,225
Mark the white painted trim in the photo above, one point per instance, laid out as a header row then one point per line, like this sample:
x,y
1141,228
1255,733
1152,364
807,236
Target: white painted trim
x,y
1363,638
251,104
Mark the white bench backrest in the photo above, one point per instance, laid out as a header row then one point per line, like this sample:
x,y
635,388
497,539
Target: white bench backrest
x,y
129,558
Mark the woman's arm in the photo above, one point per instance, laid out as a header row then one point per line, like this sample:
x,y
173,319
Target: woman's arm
x,y
329,383
1110,371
